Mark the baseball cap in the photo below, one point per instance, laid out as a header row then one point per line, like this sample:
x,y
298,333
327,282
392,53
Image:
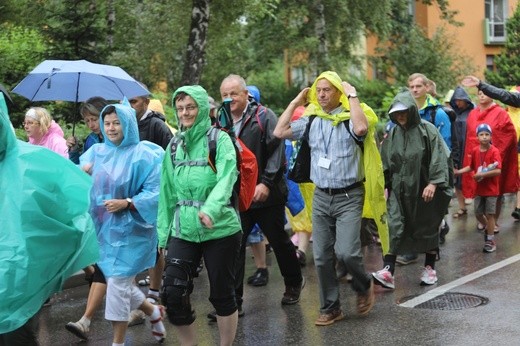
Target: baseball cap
x,y
484,127
397,107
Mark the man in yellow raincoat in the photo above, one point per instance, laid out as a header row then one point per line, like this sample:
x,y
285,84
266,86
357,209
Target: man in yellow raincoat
x,y
339,131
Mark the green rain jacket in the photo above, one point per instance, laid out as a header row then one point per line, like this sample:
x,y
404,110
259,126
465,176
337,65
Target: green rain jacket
x,y
187,189
412,158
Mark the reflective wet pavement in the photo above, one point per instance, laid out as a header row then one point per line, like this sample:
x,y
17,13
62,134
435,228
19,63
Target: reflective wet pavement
x,y
463,268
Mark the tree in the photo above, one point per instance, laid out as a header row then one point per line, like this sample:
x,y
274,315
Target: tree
x,y
508,62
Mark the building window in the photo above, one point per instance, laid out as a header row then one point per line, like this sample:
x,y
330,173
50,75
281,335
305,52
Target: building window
x,y
496,13
490,63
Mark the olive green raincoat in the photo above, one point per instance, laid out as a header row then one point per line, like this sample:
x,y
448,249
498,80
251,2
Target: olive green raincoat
x,y
412,158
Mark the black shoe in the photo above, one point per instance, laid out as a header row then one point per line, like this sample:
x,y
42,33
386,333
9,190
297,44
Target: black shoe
x,y
259,278
442,234
302,258
292,293
516,213
212,316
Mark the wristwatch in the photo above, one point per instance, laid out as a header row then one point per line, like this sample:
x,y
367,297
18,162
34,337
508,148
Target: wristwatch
x,y
129,201
351,95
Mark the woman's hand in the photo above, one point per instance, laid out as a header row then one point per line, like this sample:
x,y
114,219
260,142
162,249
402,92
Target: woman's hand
x,y
205,220
115,205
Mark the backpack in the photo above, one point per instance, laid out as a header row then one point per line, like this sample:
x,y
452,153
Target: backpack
x,y
247,166
455,152
300,165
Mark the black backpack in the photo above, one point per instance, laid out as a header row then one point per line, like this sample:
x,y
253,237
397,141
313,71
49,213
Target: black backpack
x,y
432,111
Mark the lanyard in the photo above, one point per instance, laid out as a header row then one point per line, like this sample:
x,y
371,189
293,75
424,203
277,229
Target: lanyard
x,y
326,144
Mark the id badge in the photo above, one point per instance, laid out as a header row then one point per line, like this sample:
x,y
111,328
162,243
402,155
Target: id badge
x,y
323,162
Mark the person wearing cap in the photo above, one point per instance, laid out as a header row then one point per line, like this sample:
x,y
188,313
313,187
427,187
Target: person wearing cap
x,y
505,140
417,179
486,163
340,123
510,98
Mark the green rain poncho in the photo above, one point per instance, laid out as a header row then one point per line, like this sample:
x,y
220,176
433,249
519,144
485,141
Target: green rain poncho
x,y
413,158
46,232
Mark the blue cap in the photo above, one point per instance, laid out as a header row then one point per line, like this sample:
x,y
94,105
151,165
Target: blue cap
x,y
484,127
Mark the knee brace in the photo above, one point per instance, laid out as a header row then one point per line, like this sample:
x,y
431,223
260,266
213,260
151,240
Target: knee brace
x,y
176,290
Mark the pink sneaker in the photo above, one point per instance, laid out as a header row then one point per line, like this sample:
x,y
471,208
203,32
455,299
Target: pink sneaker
x,y
429,276
384,278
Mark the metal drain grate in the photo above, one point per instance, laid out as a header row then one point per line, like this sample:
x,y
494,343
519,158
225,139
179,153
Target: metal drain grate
x,y
452,301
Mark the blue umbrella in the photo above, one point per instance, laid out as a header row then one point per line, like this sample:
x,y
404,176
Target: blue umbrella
x,y
77,81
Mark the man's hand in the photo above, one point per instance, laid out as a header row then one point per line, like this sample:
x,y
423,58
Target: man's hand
x,y
470,81
428,192
261,193
347,88
205,220
301,98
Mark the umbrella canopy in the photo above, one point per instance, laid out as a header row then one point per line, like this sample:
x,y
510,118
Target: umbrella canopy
x,y
77,81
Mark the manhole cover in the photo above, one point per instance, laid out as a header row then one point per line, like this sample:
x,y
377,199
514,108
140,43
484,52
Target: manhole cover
x,y
451,301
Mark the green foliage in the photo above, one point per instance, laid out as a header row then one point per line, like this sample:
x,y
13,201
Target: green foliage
x,y
412,51
21,49
75,29
508,62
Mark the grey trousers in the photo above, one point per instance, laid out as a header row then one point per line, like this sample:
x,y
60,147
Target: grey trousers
x,y
336,224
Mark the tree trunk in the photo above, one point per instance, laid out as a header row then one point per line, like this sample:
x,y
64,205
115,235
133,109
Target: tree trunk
x,y
194,60
111,20
322,60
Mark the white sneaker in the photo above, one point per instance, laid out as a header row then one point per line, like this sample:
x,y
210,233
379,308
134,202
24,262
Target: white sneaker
x,y
384,278
429,276
79,329
136,317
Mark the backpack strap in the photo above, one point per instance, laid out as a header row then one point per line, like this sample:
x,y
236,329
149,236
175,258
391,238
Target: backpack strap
x,y
260,116
212,135
189,203
174,144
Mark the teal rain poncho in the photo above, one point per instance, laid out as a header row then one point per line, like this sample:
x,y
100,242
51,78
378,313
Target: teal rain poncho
x,y
46,232
127,239
412,158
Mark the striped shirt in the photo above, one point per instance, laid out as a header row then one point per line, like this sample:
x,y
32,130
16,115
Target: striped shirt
x,y
335,144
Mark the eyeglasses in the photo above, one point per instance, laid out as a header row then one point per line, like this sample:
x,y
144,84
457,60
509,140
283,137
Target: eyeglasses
x,y
187,108
30,123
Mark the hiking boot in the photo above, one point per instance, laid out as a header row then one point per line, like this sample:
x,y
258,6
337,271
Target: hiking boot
x,y
259,278
292,293
366,300
136,317
329,318
489,246
442,233
407,259
78,328
212,316
516,214
384,278
429,276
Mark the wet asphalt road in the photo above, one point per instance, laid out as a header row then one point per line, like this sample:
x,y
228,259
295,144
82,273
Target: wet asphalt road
x,y
463,268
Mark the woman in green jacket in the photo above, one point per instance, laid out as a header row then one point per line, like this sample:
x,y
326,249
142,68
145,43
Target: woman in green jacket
x,y
196,218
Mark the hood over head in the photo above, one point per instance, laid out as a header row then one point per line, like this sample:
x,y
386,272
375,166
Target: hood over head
x,y
460,94
335,80
404,100
127,117
202,121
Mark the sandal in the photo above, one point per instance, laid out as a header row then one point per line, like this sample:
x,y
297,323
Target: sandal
x,y
461,212
144,282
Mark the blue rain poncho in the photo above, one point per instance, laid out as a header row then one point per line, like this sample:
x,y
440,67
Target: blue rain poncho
x,y
127,239
46,231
